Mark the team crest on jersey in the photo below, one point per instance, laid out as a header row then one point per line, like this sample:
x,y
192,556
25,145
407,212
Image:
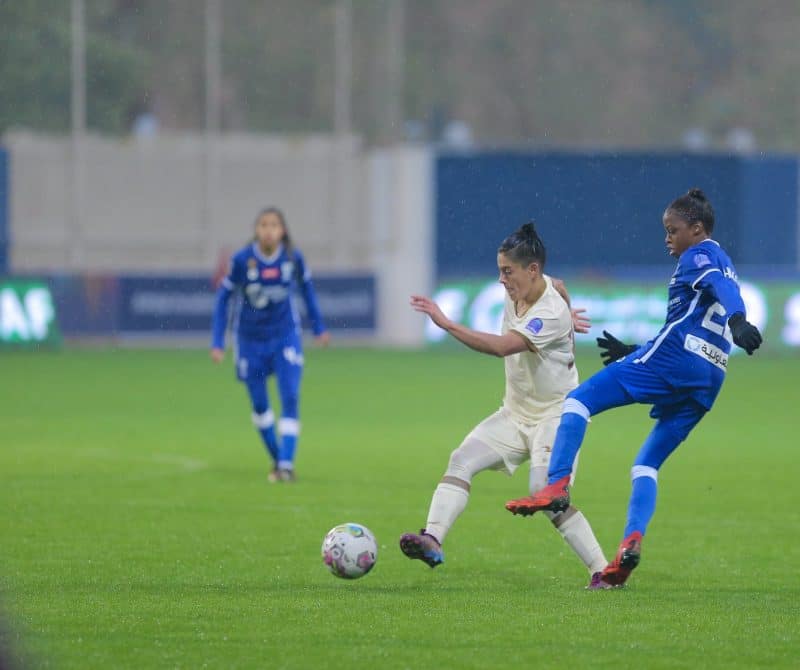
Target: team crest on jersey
x,y
287,269
252,269
270,273
535,326
701,260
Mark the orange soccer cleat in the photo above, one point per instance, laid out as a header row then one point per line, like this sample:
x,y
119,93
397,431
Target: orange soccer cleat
x,y
553,498
628,556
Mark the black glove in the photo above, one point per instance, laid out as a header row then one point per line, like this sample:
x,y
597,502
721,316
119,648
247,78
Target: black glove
x,y
745,334
614,349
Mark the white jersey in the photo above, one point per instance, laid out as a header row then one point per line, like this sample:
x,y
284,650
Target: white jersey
x,y
538,381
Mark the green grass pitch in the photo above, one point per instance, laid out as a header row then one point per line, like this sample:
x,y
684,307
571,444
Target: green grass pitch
x,y
138,529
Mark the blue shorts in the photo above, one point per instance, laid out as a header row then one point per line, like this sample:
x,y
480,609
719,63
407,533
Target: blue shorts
x,y
258,359
626,383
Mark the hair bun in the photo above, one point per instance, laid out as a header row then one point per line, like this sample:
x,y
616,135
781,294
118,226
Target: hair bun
x,y
697,194
528,230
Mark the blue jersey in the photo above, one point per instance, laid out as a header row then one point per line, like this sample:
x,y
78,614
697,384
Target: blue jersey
x,y
691,351
266,284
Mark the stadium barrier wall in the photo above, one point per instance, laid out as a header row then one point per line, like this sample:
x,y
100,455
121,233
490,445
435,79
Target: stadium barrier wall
x,y
4,242
182,204
604,210
401,208
135,307
173,206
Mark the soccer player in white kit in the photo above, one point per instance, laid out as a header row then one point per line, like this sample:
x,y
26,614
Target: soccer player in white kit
x,y
537,345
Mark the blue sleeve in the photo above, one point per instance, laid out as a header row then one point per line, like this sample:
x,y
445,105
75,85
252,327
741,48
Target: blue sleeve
x,y
309,295
724,289
220,320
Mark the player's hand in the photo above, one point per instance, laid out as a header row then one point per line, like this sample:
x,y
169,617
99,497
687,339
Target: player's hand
x,y
745,334
425,305
613,349
323,339
580,323
217,355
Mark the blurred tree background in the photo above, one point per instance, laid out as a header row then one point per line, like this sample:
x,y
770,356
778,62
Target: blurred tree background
x,y
568,73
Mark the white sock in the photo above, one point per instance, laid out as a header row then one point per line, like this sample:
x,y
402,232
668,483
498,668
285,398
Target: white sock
x,y
578,534
446,505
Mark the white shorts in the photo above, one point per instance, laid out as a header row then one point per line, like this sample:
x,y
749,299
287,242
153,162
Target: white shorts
x,y
516,442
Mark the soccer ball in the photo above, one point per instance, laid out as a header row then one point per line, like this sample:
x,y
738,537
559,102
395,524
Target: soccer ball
x,y
349,550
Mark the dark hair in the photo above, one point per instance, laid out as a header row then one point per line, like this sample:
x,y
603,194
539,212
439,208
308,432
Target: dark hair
x,y
694,206
524,246
286,240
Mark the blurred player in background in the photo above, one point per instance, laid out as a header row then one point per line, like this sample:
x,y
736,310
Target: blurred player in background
x,y
267,331
679,372
538,348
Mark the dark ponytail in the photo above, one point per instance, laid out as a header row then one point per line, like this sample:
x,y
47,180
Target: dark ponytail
x,y
694,206
524,247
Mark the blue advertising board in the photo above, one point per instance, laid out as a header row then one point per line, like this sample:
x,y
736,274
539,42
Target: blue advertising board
x,y
163,305
174,305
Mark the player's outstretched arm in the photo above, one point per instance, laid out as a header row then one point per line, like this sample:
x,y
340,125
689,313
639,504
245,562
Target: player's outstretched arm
x,y
486,343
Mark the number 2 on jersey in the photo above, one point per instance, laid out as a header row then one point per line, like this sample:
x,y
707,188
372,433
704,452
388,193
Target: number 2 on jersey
x,y
718,328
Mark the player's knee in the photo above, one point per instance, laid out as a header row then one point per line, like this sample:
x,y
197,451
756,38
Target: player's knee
x,y
644,471
289,426
263,419
573,405
467,461
459,466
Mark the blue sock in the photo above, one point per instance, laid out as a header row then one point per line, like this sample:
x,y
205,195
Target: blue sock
x,y
263,416
270,440
290,429
642,504
568,441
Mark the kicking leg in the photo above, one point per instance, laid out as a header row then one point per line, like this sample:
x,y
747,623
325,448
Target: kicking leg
x,y
597,394
449,500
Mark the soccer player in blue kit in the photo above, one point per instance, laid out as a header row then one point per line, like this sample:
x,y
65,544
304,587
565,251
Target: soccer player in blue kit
x,y
679,372
267,331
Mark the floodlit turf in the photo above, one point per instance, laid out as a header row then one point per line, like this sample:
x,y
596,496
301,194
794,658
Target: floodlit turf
x,y
137,528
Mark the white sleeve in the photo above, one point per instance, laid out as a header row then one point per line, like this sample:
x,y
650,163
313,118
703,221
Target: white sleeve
x,y
541,330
